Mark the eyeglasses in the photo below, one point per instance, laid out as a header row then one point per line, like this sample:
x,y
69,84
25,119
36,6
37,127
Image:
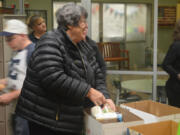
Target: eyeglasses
x,y
10,38
83,23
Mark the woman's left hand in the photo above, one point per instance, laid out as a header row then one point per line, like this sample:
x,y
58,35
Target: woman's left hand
x,y
111,104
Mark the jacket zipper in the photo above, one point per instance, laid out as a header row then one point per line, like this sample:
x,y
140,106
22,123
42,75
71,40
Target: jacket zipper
x,y
57,113
82,59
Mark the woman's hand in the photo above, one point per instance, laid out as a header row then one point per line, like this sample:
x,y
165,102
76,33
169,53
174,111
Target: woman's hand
x,y
96,97
9,97
111,104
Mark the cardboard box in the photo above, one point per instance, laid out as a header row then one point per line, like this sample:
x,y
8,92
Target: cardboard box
x,y
151,111
134,113
160,128
110,127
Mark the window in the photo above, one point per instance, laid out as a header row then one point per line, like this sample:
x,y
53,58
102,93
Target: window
x,y
117,22
136,22
113,22
95,22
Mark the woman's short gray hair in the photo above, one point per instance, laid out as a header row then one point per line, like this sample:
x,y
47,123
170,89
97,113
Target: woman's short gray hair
x,y
70,14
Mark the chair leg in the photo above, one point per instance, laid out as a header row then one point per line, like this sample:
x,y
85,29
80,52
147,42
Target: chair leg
x,y
124,64
128,66
161,94
119,64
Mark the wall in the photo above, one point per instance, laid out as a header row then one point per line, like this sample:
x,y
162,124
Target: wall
x,y
36,5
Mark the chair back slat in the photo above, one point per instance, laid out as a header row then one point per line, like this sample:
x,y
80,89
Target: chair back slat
x,y
111,51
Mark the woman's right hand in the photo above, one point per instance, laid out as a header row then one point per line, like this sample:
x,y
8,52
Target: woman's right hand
x,y
96,97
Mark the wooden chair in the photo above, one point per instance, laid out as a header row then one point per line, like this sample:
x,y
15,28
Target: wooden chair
x,y
111,52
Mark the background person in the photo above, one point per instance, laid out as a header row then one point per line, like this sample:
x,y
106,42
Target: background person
x,y
15,33
63,78
171,65
99,57
38,27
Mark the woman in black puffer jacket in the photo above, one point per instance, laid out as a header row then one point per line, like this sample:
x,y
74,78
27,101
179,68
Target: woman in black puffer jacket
x,y
63,77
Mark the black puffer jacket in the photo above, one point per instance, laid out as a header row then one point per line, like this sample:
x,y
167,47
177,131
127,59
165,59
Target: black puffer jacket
x,y
58,79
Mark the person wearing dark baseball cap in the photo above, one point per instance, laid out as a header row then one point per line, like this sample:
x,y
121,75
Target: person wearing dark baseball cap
x,y
16,37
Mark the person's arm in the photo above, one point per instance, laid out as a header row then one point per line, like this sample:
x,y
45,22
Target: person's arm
x,y
170,59
100,67
8,97
101,83
101,86
96,97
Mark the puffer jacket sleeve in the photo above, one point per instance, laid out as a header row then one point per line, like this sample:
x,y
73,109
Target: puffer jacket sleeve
x,y
100,73
101,82
48,63
100,69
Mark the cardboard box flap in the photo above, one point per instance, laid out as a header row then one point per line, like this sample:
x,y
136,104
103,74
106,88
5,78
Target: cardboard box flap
x,y
154,108
127,115
147,117
159,128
